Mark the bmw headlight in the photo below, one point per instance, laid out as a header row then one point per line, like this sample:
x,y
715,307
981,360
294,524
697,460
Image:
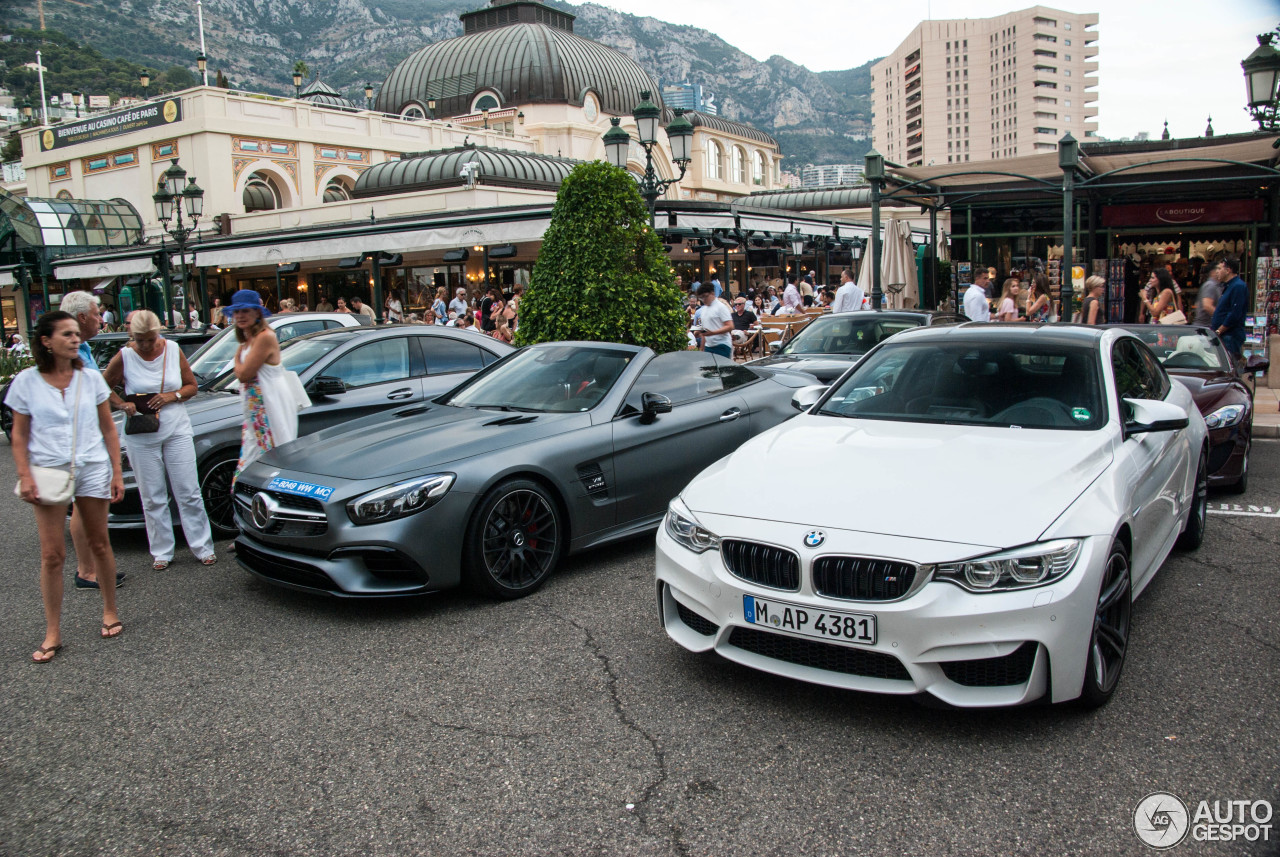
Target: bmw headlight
x,y
685,529
403,498
1223,417
1033,565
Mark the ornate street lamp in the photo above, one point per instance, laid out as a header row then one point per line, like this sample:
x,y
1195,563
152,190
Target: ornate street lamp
x,y
617,145
76,98
1068,161
873,172
170,197
1261,75
144,78
202,64
297,83
368,96
27,111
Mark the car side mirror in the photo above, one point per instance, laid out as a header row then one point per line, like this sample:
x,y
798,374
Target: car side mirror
x,y
326,385
806,397
1148,415
652,404
1257,363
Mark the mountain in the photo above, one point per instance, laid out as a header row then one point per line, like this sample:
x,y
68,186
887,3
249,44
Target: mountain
x,y
347,42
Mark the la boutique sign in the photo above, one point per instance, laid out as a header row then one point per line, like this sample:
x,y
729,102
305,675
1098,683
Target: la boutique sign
x,y
1182,214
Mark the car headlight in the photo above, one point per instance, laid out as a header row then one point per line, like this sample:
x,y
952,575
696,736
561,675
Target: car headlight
x,y
403,498
1033,565
1223,417
685,529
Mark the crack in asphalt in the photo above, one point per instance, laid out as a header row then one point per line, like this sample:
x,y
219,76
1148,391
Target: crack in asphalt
x,y
642,803
1250,634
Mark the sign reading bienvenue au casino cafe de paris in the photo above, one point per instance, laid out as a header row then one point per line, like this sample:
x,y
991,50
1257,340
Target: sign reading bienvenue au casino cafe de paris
x,y
149,115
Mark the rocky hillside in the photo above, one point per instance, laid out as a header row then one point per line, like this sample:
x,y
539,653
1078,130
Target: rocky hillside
x,y
346,42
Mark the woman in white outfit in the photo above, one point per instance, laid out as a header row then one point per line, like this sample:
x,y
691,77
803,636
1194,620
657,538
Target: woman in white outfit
x,y
270,406
150,365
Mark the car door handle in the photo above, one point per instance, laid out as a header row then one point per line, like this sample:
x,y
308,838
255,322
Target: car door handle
x,y
730,415
402,393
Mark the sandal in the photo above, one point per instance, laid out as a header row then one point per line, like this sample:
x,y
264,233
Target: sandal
x,y
209,560
48,651
107,629
160,565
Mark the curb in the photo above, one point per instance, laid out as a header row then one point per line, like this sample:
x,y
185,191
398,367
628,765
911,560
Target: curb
x,y
1266,430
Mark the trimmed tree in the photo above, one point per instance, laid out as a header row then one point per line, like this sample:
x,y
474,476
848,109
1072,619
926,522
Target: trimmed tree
x,y
602,274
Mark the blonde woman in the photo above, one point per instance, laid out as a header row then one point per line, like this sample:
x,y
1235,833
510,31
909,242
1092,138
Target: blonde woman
x,y
439,307
1008,310
270,411
61,421
156,378
1091,311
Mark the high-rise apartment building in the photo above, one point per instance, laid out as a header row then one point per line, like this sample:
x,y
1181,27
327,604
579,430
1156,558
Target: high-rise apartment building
x,y
830,175
976,89
690,96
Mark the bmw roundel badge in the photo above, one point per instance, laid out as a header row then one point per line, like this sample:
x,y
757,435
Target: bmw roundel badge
x,y
814,538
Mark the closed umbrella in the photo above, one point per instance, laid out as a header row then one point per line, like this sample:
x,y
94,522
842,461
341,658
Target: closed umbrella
x,y
899,267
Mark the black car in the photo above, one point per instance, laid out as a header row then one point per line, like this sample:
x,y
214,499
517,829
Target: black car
x,y
830,344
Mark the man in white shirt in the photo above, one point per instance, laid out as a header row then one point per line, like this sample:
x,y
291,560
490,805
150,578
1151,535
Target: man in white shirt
x,y
791,299
848,296
458,305
976,306
716,322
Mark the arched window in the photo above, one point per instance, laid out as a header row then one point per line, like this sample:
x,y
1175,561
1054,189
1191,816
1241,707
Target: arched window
x,y
757,169
261,194
336,191
738,160
413,113
715,160
487,101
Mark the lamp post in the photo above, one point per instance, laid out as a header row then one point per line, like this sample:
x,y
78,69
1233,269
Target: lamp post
x,y
168,196
431,108
144,78
76,97
202,65
297,83
1068,159
855,252
1261,75
617,144
874,173
796,240
27,111
368,96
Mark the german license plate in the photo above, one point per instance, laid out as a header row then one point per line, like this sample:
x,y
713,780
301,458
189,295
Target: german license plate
x,y
859,628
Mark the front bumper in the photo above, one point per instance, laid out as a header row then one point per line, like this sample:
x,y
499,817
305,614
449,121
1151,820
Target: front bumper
x,y
966,649
1227,449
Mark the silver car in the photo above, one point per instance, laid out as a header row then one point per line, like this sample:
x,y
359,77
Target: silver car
x,y
349,372
558,448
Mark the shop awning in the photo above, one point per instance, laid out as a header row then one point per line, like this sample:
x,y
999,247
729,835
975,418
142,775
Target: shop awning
x,y
106,268
410,241
101,286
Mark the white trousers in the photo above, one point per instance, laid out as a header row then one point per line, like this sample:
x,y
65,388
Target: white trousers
x,y
176,456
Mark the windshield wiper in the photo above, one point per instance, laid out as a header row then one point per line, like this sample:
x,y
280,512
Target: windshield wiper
x,y
507,408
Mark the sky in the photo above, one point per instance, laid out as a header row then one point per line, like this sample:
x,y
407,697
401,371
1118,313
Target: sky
x,y
1157,59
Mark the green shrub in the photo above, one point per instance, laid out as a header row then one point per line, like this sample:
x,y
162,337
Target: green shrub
x,y
11,365
602,274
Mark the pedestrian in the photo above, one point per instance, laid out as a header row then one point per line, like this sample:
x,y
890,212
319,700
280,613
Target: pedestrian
x,y
215,312
502,329
1039,305
65,447
491,304
1163,309
17,347
342,307
459,303
806,290
359,307
395,309
849,295
976,306
1208,296
439,307
324,305
1228,317
157,380
791,298
270,409
716,323
1091,311
108,318
1008,309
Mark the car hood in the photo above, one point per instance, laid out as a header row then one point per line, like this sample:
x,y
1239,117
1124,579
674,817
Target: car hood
x,y
975,485
385,445
825,367
1211,390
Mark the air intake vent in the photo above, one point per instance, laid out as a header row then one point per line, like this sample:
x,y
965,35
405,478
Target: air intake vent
x,y
592,479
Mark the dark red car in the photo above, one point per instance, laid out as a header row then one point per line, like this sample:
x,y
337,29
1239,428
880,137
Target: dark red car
x,y
1195,356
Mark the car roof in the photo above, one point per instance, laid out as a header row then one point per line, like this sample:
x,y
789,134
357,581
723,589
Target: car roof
x,y
366,331
978,331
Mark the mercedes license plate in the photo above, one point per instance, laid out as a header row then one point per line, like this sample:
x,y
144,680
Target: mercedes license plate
x,y
859,628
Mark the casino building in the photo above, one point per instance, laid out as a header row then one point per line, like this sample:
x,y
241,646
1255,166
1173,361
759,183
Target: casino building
x,y
449,180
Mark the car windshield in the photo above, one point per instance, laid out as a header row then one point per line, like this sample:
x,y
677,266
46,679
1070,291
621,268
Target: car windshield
x,y
297,355
1014,384
1184,348
546,378
217,355
847,333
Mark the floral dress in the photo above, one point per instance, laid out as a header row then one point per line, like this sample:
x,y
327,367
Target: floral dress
x,y
270,417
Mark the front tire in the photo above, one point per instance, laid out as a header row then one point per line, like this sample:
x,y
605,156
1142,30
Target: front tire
x,y
1242,485
1109,640
215,488
514,541
1193,533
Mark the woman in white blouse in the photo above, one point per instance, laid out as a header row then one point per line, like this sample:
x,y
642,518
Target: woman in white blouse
x,y
61,420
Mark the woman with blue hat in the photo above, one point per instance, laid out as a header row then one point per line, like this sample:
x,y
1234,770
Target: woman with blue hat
x,y
270,405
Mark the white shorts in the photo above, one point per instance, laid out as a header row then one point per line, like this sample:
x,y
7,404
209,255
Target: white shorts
x,y
94,480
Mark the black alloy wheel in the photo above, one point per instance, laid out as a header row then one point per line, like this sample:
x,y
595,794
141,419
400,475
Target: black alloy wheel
x,y
1193,532
1110,638
1242,485
514,541
215,487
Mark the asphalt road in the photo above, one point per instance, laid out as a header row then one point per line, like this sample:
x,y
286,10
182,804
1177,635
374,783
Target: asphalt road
x,y
233,718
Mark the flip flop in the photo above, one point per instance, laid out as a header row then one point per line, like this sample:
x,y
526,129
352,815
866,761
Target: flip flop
x,y
106,630
50,651
209,560
160,565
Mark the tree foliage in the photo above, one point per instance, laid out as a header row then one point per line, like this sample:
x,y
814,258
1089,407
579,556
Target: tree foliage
x,y
602,274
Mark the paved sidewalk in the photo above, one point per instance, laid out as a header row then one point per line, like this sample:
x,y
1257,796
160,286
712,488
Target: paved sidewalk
x,y
1266,411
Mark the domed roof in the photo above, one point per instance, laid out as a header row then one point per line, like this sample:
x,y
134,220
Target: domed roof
x,y
325,95
526,53
451,167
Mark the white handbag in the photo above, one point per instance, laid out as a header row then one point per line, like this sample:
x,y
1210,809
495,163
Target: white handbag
x,y
55,486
